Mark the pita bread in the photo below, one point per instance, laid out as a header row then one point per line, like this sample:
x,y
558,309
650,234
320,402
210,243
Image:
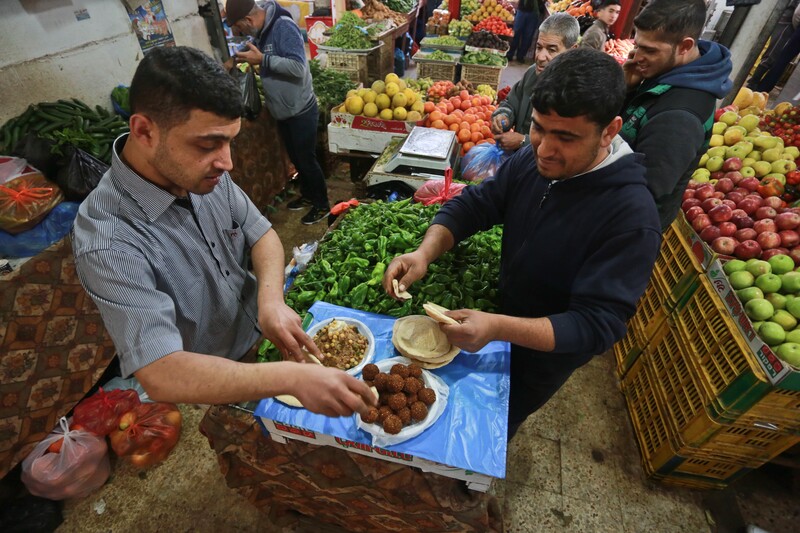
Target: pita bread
x,y
419,338
437,312
290,400
404,295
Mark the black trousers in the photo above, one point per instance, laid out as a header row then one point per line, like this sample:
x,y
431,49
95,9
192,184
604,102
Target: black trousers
x,y
299,134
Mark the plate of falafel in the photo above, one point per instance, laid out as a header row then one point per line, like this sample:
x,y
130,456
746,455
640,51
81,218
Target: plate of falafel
x,y
410,400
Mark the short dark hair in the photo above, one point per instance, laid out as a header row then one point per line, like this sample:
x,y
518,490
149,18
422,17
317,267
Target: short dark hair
x,y
172,81
673,19
581,82
597,5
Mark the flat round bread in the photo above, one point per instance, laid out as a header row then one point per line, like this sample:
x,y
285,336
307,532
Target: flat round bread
x,y
437,312
290,400
449,356
419,337
432,366
405,295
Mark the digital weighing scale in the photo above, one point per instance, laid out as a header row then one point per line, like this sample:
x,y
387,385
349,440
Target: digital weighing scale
x,y
422,155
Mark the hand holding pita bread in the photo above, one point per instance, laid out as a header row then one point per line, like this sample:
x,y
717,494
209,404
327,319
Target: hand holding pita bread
x,y
405,269
331,392
475,329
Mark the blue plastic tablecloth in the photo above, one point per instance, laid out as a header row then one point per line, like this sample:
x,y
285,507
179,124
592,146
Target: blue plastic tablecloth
x,y
470,434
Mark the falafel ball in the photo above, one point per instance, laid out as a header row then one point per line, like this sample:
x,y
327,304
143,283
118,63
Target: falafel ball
x,y
405,415
393,424
396,383
400,369
372,416
370,371
380,381
412,385
397,401
419,411
427,396
414,370
383,412
383,398
411,398
369,383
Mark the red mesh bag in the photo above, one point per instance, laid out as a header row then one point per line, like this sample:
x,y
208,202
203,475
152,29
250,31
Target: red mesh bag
x,y
26,200
147,434
100,412
439,191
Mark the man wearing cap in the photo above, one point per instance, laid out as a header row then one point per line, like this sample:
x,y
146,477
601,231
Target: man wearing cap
x,y
280,53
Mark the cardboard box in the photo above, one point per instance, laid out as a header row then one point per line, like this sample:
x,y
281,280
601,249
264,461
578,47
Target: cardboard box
x,y
348,132
281,430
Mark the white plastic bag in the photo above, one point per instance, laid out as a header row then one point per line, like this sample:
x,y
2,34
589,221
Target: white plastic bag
x,y
13,168
81,466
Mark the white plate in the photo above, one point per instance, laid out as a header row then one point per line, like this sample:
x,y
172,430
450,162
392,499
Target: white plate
x,y
362,328
379,437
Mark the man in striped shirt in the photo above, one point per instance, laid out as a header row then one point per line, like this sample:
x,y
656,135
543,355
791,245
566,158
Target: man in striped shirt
x,y
162,246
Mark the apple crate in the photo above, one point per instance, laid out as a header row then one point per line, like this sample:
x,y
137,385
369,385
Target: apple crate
x,y
647,325
355,65
437,69
676,269
481,74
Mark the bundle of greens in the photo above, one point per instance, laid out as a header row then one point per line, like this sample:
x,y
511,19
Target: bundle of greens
x,y
330,85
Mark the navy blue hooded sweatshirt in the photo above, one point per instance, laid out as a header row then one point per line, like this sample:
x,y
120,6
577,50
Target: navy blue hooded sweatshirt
x,y
669,120
578,251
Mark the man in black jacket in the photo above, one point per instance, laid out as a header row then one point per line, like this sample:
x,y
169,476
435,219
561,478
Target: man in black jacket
x,y
526,21
674,80
580,234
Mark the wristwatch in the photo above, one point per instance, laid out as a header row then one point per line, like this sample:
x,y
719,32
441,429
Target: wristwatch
x,y
525,140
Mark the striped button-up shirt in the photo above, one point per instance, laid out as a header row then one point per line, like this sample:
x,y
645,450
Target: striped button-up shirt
x,y
168,277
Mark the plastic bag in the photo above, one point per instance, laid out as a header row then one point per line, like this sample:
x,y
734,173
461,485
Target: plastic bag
x,y
147,434
78,468
80,175
251,101
482,162
26,200
12,167
39,154
100,413
53,228
131,383
439,191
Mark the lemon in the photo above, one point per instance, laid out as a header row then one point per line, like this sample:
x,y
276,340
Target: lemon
x,y
361,92
370,96
402,84
391,78
399,100
354,105
386,114
399,113
378,86
418,106
383,101
392,89
370,110
351,92
414,116
411,96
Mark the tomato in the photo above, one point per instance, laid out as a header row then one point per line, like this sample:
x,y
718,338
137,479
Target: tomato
x,y
55,447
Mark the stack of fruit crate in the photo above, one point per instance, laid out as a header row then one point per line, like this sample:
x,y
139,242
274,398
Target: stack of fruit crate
x,y
706,403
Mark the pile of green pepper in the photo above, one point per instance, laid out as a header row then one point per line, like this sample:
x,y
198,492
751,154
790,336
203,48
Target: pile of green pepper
x,y
349,264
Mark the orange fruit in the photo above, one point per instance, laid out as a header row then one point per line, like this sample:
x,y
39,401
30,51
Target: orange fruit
x,y
438,124
449,119
468,146
464,125
455,126
429,107
464,136
476,101
486,131
473,128
450,107
476,136
437,115
469,117
465,105
464,94
491,140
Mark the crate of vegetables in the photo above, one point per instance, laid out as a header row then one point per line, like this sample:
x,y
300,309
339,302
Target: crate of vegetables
x,y
447,43
483,68
488,41
437,65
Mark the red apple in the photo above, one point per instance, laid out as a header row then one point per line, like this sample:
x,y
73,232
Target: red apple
x,y
765,224
709,233
742,221
738,213
692,202
731,164
787,220
747,250
700,222
692,213
766,254
768,239
748,204
718,175
763,212
773,202
789,238
723,245
734,196
710,203
688,193
751,184
745,234
729,203
718,213
741,190
725,184
718,194
692,184
727,229
704,191
794,253
734,176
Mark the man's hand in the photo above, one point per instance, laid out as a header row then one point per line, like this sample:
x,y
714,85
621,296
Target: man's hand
x,y
253,55
474,331
497,123
406,269
510,141
283,327
632,76
331,392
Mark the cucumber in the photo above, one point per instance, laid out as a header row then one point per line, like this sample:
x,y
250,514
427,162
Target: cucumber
x,y
102,111
15,135
54,126
51,115
81,104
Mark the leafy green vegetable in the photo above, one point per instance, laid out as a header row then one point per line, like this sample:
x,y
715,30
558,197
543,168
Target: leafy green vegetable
x,y
121,95
400,6
438,55
330,85
350,33
484,58
445,40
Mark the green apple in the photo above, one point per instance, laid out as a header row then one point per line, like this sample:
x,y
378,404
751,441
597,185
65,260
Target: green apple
x,y
750,293
717,151
749,122
703,160
714,163
773,154
768,283
701,174
793,151
729,118
755,154
747,162
719,128
780,177
783,166
793,306
793,336
789,297
747,172
716,140
765,142
734,265
733,135
771,333
784,319
759,309
757,325
790,353
790,282
762,168
777,300
788,156
757,267
741,279
781,264
737,150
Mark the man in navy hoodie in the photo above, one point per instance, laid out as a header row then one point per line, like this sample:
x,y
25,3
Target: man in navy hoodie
x,y
580,235
674,80
288,92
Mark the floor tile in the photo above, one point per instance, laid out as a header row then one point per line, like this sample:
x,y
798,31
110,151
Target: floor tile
x,y
530,510
584,515
588,472
535,462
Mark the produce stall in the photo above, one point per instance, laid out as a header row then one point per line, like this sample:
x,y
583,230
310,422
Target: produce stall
x,y
709,367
